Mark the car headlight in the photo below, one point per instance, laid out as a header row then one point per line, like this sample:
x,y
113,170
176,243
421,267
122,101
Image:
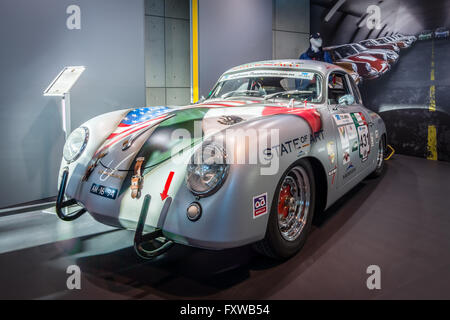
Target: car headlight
x,y
207,169
75,144
368,67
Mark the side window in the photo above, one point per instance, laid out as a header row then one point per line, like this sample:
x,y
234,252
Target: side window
x,y
337,87
356,93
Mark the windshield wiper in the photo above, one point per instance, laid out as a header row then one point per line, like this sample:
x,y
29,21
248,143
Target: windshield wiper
x,y
228,94
282,93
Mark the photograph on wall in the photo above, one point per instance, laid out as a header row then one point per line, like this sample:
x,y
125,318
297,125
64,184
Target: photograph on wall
x,y
399,50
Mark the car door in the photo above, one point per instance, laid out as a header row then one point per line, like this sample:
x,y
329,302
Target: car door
x,y
351,128
366,118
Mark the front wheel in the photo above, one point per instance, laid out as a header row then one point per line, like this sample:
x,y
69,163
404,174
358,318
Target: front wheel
x,y
291,212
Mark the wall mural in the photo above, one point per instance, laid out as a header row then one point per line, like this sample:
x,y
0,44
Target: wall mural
x,y
396,50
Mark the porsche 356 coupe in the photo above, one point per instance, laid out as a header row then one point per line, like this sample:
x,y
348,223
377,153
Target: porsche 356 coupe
x,y
273,143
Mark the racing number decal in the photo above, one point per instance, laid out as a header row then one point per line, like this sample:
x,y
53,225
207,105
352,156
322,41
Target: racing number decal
x,y
363,135
347,133
364,145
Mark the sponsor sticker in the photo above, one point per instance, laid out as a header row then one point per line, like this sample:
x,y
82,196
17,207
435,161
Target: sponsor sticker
x,y
346,157
355,146
344,137
259,205
359,119
351,131
331,148
270,73
332,173
342,119
299,143
349,171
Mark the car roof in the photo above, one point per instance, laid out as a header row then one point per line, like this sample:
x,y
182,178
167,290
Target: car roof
x,y
319,66
337,46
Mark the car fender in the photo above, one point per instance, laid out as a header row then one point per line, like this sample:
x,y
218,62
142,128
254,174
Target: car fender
x,y
227,216
99,128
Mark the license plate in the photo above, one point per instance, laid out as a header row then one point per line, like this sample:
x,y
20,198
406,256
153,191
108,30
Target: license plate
x,y
103,191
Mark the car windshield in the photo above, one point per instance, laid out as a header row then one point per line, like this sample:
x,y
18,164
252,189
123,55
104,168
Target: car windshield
x,y
283,84
359,47
382,41
345,51
366,42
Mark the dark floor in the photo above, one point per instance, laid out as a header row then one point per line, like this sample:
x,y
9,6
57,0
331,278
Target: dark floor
x,y
402,98
400,222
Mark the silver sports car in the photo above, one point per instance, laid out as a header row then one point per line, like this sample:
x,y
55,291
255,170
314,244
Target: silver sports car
x,y
274,143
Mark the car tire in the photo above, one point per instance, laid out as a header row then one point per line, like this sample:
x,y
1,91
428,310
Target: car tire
x,y
276,243
380,159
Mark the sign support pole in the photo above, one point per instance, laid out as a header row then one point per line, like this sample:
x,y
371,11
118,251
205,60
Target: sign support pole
x,y
60,87
65,104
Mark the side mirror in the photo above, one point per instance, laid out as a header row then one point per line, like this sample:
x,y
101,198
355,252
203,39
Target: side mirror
x,y
346,100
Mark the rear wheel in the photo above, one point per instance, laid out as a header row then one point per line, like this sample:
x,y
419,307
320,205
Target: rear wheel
x,y
291,212
380,160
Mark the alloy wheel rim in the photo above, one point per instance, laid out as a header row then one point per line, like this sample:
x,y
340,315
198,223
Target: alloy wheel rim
x,y
293,203
380,155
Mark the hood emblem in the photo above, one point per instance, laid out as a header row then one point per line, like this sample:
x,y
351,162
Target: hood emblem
x,y
229,120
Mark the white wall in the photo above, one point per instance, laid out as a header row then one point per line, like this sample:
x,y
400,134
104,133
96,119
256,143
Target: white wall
x,y
35,45
290,28
231,33
167,52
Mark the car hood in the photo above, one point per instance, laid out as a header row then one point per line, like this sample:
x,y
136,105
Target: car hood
x,y
364,56
157,133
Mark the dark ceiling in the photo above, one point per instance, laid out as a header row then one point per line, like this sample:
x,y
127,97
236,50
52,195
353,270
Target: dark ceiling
x,y
347,24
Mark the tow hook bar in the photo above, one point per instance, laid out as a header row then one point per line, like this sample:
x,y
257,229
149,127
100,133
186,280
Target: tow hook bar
x,y
60,203
149,239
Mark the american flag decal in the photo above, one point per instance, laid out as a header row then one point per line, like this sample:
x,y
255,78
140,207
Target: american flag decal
x,y
134,121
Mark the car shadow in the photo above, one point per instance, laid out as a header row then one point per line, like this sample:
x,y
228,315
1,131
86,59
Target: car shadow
x,y
186,272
